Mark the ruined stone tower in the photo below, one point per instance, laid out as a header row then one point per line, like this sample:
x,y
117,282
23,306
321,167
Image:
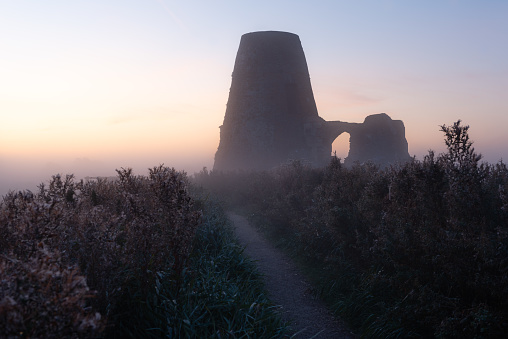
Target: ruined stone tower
x,y
271,116
269,101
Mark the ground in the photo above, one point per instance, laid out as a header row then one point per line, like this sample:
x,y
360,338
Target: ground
x,y
287,288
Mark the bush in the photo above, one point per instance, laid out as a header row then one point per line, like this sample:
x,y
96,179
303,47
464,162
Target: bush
x,y
120,258
417,249
120,233
42,297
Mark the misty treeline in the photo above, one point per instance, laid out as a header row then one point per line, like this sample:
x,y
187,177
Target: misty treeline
x,y
138,256
419,249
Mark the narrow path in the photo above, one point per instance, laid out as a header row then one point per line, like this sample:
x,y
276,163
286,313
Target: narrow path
x,y
308,316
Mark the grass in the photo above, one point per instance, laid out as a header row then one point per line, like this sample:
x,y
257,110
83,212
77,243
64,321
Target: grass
x,y
139,256
417,249
222,294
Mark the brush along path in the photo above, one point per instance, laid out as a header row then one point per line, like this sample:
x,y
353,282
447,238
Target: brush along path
x,y
308,317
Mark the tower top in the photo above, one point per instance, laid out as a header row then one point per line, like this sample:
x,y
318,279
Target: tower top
x,y
270,33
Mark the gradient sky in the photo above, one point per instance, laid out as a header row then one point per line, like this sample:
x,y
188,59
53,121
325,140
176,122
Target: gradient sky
x,y
87,86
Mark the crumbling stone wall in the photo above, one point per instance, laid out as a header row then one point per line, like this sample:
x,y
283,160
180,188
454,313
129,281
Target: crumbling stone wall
x,y
379,140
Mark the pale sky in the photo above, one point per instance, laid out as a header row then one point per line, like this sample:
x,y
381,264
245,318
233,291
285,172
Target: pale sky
x,y
87,86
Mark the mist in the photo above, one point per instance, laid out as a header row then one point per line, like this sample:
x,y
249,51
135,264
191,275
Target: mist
x,y
18,173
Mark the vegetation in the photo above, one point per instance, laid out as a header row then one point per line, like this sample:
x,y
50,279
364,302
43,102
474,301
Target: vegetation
x,y
133,257
419,249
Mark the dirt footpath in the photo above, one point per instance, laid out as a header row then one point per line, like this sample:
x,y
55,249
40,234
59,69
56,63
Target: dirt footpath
x,y
308,316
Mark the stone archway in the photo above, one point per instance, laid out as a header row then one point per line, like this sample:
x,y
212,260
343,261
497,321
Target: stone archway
x,y
379,140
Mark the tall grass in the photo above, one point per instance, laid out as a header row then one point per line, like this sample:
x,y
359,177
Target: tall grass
x,y
138,256
222,294
418,249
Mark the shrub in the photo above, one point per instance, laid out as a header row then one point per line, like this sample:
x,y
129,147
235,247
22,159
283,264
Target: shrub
x,y
120,233
417,249
120,258
42,297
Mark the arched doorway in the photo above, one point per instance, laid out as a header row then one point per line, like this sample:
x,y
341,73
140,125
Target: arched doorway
x,y
341,146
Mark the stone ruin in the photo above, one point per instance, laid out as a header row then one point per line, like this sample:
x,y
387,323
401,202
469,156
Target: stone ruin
x,y
271,115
